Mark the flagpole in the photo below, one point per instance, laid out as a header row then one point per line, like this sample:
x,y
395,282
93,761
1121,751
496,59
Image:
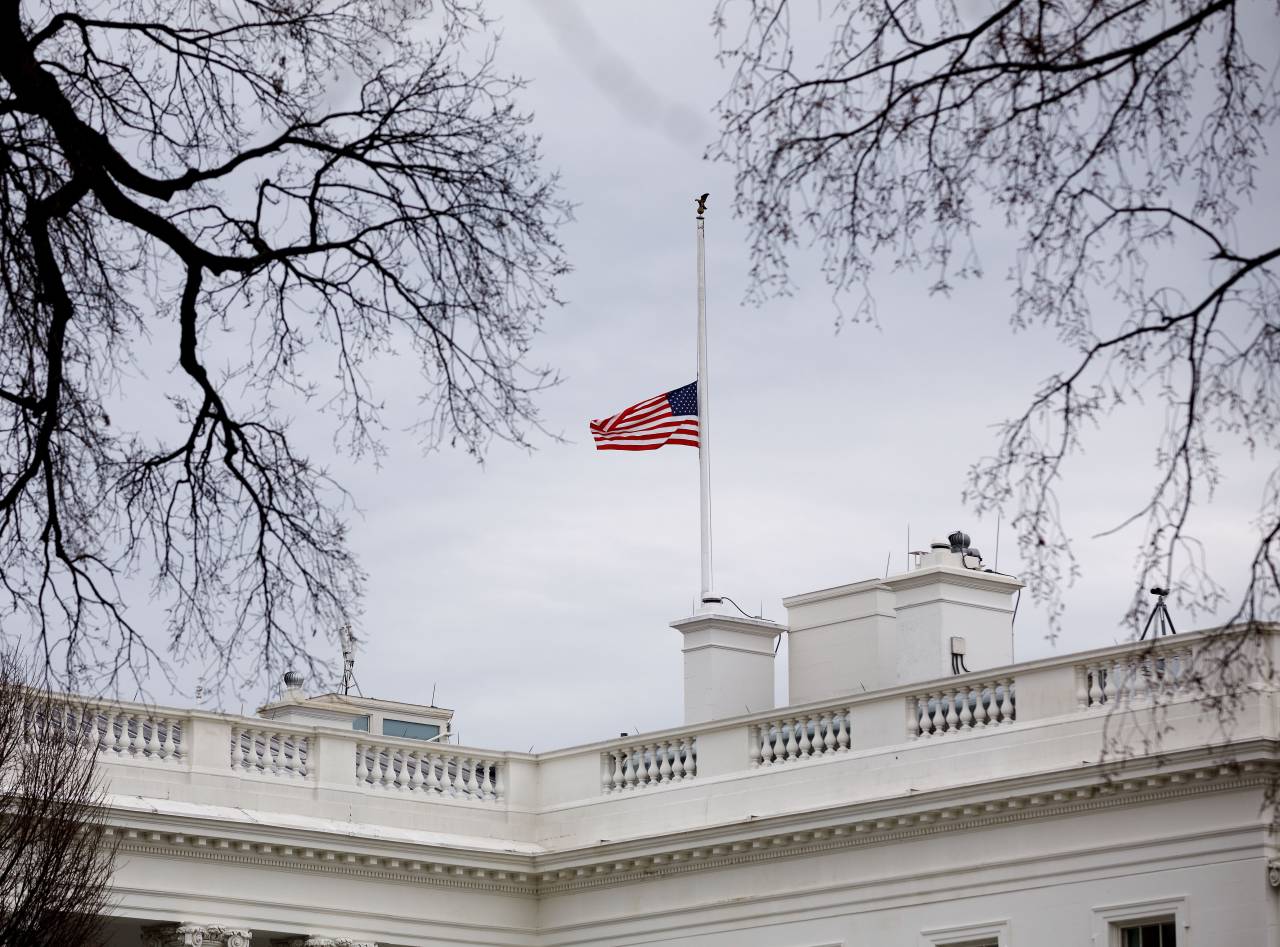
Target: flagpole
x,y
704,415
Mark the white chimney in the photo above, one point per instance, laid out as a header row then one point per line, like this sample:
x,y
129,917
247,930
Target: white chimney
x,y
728,665
886,632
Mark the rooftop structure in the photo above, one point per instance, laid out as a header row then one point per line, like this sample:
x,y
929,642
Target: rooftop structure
x,y
920,789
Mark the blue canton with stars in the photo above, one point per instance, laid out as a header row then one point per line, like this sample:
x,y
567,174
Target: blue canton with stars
x,y
684,401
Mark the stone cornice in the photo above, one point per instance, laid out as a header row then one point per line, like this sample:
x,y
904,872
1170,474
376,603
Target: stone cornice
x,y
869,823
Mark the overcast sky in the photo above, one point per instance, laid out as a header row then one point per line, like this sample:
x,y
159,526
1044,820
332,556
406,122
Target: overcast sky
x,y
534,593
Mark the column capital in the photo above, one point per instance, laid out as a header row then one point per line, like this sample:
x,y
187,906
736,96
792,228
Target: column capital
x,y
186,934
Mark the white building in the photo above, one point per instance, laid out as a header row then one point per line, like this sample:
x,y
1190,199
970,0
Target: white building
x,y
895,802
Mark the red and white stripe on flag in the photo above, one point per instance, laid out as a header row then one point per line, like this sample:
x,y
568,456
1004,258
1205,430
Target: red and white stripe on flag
x,y
668,418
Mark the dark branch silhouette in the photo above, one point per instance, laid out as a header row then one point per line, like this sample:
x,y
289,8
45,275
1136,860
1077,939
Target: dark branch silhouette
x,y
291,191
55,857
1104,134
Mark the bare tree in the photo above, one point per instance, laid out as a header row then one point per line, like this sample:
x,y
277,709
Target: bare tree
x,y
55,859
274,195
1108,134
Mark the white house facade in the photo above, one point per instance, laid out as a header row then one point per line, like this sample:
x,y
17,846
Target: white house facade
x,y
1088,799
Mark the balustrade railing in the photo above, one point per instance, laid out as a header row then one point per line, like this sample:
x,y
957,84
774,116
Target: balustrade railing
x,y
643,765
1133,677
115,732
328,759
800,737
435,771
951,710
121,732
269,751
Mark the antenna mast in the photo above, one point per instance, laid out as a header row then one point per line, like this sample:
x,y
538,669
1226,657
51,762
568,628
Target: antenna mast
x,y
348,657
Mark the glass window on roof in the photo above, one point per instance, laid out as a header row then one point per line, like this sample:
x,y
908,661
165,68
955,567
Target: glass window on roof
x,y
410,729
360,723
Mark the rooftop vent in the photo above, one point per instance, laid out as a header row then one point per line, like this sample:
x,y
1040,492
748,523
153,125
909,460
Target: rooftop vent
x,y
293,685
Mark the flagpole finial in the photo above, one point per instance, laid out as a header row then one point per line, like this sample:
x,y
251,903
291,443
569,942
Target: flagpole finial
x,y
702,204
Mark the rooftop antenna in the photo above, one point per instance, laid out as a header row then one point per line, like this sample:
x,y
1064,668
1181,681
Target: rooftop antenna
x,y
348,659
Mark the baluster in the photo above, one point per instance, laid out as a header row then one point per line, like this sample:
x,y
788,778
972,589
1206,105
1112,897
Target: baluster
x,y
1184,669
665,772
829,732
953,718
97,728
433,781
454,775
756,738
1082,686
1116,685
619,777
926,719
629,768
1093,676
655,771
806,746
486,785
362,766
413,763
499,781
677,760
843,735
387,759
168,746
466,773
980,715
966,715
939,712
1143,674
1007,708
247,749
133,724
606,772
766,744
473,783
793,745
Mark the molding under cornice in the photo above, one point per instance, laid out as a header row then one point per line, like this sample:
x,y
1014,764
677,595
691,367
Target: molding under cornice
x,y
784,836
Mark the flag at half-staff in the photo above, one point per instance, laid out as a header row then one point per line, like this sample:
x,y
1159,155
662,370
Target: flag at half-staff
x,y
668,418
679,416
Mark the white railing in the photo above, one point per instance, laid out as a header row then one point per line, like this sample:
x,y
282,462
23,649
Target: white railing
x,y
1133,678
800,737
127,733
951,710
642,765
326,760
270,751
427,772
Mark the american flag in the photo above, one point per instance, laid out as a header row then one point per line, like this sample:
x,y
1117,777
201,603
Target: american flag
x,y
668,418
